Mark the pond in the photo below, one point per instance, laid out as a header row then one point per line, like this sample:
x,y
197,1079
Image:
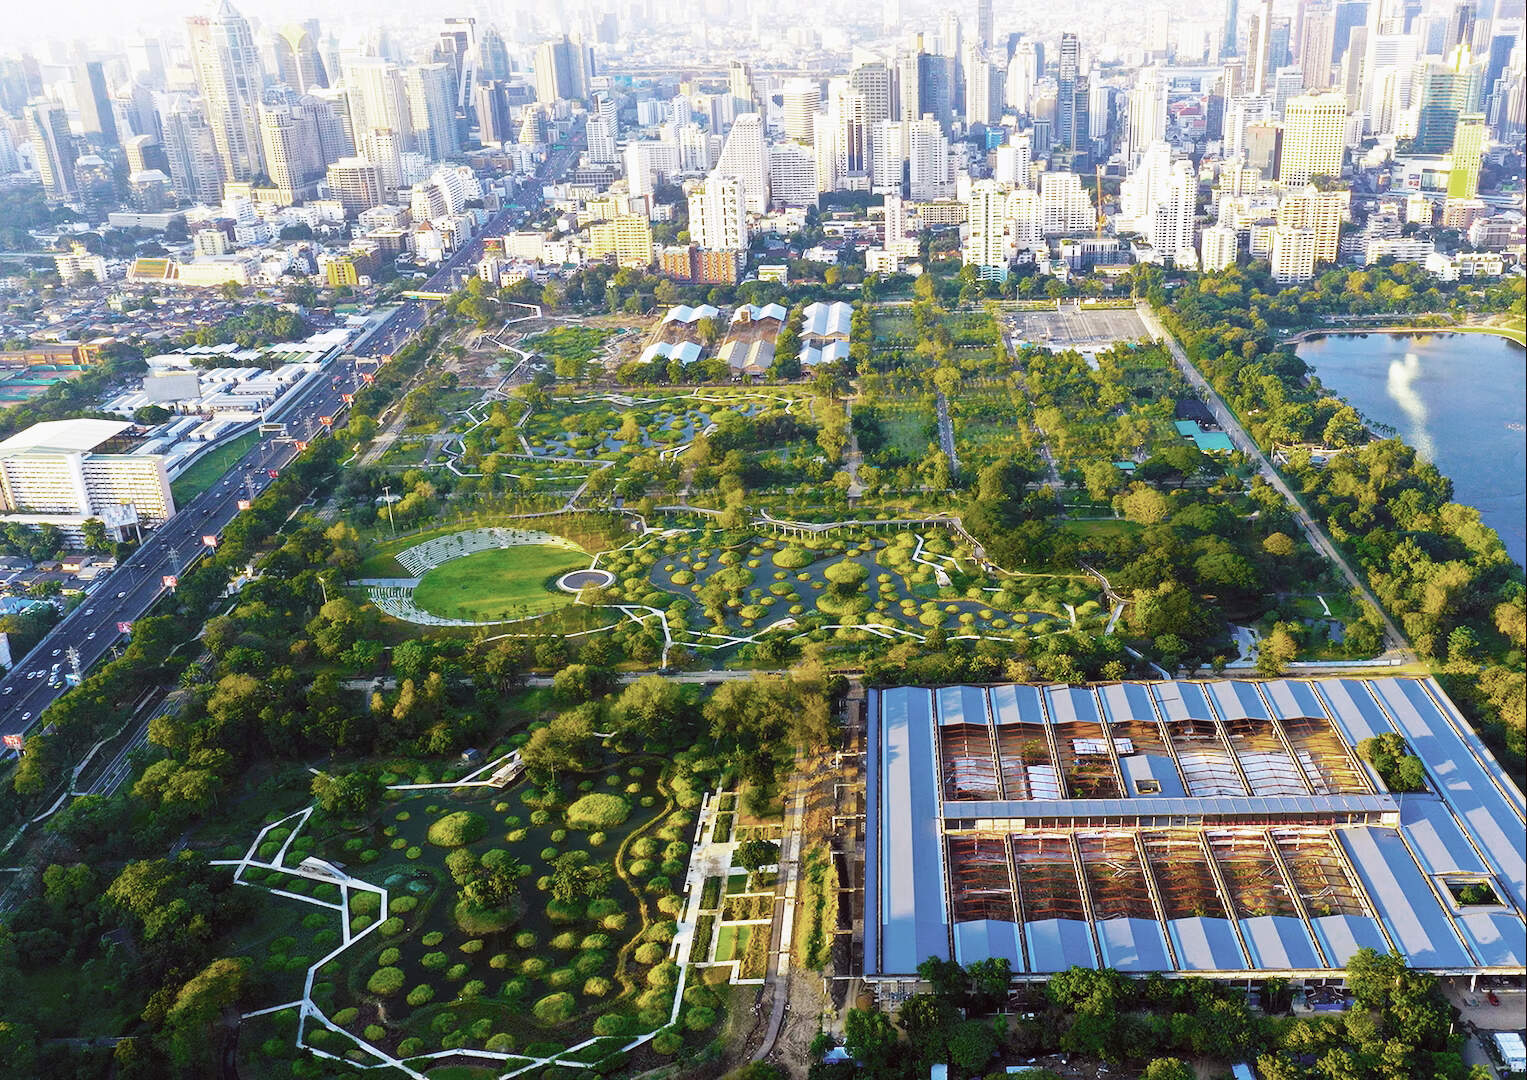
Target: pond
x,y
1457,398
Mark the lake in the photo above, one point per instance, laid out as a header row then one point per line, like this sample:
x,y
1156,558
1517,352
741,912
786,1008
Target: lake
x,y
1459,399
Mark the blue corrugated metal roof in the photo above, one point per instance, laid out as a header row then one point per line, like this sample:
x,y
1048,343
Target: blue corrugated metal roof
x,y
1071,704
1280,943
1157,767
1237,700
1181,701
1058,944
1292,698
1127,701
1016,704
1353,709
1497,937
961,705
1415,921
1133,945
913,916
1205,944
988,939
1342,935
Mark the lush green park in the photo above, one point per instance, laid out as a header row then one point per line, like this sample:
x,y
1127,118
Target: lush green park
x,y
498,582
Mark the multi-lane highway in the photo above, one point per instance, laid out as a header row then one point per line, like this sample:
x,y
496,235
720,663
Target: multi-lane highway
x,y
132,588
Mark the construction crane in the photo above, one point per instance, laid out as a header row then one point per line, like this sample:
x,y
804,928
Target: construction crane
x,y
1101,219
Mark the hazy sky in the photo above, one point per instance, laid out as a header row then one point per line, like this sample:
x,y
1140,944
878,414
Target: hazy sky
x,y
103,21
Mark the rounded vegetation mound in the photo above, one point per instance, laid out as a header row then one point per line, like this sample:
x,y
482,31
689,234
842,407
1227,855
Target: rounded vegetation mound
x,y
598,811
458,829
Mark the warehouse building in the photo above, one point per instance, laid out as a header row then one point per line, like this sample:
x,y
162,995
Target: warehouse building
x,y
1226,829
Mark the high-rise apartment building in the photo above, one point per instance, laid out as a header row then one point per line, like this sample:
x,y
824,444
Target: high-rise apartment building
x,y
745,157
1070,129
227,67
929,175
374,89
192,151
888,157
298,63
793,180
1218,247
1314,137
94,103
430,90
1467,154
1147,113
293,157
1319,213
718,214
53,153
1292,257
873,81
801,99
356,183
989,242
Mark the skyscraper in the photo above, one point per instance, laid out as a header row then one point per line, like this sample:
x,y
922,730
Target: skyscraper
x,y
1071,97
1317,35
1468,150
873,81
298,64
985,24
374,87
802,98
1229,41
928,172
53,151
430,91
744,157
1314,137
289,142
227,67
94,104
1442,92
192,151
563,70
1147,112
491,104
718,217
1260,58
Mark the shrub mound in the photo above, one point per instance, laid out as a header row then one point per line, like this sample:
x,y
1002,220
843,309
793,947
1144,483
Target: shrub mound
x,y
555,1008
595,811
385,982
458,829
793,558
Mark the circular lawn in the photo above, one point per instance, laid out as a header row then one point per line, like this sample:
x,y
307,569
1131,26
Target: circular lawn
x,y
503,583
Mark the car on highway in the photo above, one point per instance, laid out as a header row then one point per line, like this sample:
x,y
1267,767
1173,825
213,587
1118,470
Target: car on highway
x,y
7,690
25,717
90,636
1492,997
121,595
90,611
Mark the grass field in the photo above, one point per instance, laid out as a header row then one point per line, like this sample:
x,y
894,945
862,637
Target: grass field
x,y
732,941
498,583
206,472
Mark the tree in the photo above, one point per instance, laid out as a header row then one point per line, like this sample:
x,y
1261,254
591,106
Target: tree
x,y
972,1044
1277,649
352,793
198,1005
18,1051
1168,1068
650,705
757,853
1144,504
869,1038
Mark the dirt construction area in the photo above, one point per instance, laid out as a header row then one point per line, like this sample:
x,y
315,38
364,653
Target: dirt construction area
x,y
1077,328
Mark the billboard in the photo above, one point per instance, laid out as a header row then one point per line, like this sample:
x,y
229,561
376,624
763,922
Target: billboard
x,y
170,581
14,742
124,627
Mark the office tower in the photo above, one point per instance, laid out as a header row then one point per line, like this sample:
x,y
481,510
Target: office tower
x,y
142,113
493,63
801,98
144,153
145,60
888,157
384,147
989,243
535,128
1348,14
1218,247
932,89
1147,113
740,86
744,157
1099,112
1066,126
1229,40
873,82
1287,84
563,70
1262,148
824,152
1259,49
984,88
456,47
1314,137
192,151
227,67
1498,55
377,99
430,92
718,214
1158,32
928,171
1279,39
1442,92
331,125
1022,75
95,185
298,64
1315,45
793,175
356,183
1460,26
985,24
53,153
599,131
94,105
1468,150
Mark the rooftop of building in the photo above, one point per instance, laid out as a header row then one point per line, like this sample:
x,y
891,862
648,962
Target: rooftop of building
x,y
63,436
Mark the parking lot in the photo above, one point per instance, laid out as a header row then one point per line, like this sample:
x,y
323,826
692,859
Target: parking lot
x,y
1073,328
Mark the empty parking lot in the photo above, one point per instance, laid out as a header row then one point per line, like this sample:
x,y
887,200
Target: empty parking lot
x,y
1072,328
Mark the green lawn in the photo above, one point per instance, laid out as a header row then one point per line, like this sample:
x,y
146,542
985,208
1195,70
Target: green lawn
x,y
500,583
206,472
732,941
